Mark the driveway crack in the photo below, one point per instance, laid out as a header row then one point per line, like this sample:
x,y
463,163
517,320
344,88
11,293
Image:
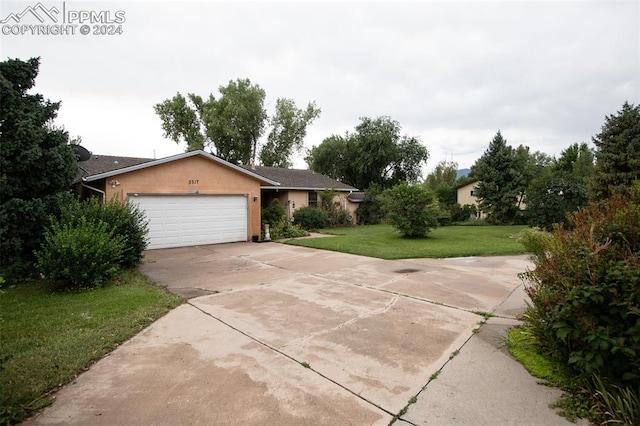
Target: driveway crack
x,y
284,354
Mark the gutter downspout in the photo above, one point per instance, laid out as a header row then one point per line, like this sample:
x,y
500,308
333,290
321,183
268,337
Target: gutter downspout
x,y
104,194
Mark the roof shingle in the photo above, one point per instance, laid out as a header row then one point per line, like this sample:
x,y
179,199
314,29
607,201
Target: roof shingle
x,y
300,179
107,163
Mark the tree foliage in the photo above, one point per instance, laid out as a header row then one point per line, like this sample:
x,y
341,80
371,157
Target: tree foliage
x,y
503,175
376,153
617,153
585,291
560,188
288,130
442,181
411,209
232,125
37,165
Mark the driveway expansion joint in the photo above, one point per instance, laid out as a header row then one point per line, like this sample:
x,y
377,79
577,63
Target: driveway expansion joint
x,y
301,363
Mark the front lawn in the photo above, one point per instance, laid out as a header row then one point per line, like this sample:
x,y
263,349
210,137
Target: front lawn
x,y
48,337
384,242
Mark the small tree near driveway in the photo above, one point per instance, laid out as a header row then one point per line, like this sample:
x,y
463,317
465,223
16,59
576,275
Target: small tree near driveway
x,y
411,209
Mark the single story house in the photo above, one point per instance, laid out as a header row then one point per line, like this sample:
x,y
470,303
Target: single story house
x,y
299,188
196,198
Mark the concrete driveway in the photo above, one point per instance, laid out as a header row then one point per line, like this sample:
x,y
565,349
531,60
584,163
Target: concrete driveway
x,y
281,335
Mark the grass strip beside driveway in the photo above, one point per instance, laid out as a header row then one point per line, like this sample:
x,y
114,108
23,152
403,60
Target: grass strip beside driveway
x,y
382,241
47,337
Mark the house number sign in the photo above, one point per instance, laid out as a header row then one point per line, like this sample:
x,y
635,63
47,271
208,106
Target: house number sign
x,y
193,181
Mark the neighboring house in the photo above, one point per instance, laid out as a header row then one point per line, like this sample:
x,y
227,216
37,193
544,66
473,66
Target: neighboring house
x,y
192,198
299,188
467,196
196,198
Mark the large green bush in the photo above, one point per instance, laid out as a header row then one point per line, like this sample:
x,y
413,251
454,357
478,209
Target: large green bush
x,y
125,219
311,218
336,214
81,254
411,209
585,292
273,214
369,211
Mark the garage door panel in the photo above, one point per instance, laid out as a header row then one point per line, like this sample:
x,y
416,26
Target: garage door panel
x,y
176,221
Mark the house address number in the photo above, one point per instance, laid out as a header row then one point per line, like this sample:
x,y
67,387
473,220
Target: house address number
x,y
193,181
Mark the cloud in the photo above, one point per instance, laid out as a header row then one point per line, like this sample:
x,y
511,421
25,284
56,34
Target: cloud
x,y
452,73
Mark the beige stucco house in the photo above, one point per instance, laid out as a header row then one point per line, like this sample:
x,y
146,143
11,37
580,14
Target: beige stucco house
x,y
466,194
195,198
299,188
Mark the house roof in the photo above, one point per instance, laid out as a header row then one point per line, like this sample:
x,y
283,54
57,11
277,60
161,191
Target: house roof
x,y
299,179
103,166
98,164
356,197
467,184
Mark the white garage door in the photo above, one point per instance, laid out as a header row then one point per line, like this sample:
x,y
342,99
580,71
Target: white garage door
x,y
189,220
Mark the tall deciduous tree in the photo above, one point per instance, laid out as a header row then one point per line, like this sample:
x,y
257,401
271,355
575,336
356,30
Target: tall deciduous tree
x,y
232,125
288,130
617,153
376,153
236,120
442,181
37,165
182,121
332,158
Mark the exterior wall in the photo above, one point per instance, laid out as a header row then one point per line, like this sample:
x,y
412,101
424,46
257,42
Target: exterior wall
x,y
292,200
296,200
185,176
464,194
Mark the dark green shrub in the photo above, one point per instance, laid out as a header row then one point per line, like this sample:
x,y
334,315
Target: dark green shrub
x,y
336,214
82,254
444,218
585,292
273,214
412,209
310,218
286,230
370,210
125,219
463,213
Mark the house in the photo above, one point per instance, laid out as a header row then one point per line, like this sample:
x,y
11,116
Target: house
x,y
466,194
196,198
299,188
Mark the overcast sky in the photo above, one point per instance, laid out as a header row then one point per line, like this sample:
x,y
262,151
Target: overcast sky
x,y
452,73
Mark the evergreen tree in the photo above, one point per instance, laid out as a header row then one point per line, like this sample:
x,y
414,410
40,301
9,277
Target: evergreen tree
x,y
617,153
497,177
37,165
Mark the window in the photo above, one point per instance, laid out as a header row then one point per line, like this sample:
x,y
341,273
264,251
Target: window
x,y
472,193
313,198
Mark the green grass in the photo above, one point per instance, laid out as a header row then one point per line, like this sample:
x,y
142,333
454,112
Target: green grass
x,y
522,346
599,402
384,242
48,337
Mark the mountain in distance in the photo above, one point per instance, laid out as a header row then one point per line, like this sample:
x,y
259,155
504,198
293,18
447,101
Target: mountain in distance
x,y
462,172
